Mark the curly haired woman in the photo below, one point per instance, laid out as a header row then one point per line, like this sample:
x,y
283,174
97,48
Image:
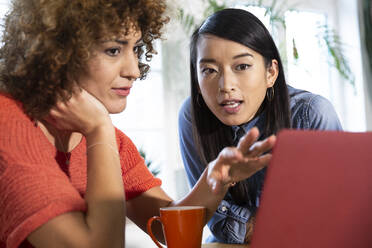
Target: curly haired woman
x,y
68,177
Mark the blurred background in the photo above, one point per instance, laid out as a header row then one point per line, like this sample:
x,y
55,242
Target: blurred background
x,y
326,46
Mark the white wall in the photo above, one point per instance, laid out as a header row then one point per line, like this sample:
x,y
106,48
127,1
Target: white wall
x,y
4,5
348,25
176,89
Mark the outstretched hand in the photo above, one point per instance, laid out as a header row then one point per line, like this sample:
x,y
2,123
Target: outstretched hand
x,y
234,164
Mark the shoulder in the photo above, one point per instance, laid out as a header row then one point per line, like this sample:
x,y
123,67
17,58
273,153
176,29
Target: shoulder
x,y
6,99
305,99
120,136
10,108
184,117
136,176
129,154
12,115
124,142
185,110
14,123
309,110
19,136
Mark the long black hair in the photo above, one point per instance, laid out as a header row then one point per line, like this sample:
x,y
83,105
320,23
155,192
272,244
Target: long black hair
x,y
210,134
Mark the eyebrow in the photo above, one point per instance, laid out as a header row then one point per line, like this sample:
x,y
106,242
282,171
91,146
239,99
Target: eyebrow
x,y
122,42
243,55
206,60
125,42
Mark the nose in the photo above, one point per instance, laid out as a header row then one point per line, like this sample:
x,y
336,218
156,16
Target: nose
x,y
226,83
130,67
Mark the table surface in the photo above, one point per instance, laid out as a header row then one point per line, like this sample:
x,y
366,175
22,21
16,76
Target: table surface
x,y
217,245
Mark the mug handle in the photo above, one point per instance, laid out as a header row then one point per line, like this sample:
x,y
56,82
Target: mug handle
x,y
149,230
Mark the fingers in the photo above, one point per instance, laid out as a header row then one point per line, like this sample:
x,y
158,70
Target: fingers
x,y
230,155
61,108
248,140
241,162
57,115
50,119
252,148
264,160
221,175
261,147
260,163
219,169
230,166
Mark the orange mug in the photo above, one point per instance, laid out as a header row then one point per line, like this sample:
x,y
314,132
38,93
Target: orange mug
x,y
182,226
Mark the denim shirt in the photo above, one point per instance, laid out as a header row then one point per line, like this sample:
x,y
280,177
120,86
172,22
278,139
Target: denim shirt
x,y
228,224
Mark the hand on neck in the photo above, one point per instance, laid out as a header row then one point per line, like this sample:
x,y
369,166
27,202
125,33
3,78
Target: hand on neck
x,y
63,140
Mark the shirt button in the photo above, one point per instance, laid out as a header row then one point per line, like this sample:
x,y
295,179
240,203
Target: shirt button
x,y
224,209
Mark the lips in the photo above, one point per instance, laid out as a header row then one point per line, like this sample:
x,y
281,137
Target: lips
x,y
123,91
231,106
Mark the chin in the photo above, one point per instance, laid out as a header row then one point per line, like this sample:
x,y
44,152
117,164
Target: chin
x,y
231,122
116,109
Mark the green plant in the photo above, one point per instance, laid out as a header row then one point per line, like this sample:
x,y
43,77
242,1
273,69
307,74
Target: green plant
x,y
154,169
190,22
276,12
335,49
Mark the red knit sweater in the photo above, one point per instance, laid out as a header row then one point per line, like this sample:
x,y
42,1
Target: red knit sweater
x,y
36,185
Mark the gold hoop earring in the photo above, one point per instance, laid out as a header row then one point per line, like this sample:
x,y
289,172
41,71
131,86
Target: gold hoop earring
x,y
270,94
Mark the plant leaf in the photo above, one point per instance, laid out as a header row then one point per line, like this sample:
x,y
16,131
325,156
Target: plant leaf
x,y
295,52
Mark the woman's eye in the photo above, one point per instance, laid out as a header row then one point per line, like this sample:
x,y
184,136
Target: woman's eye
x,y
112,51
137,49
242,67
207,71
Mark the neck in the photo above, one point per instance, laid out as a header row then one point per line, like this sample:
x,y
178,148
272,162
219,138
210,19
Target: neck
x,y
63,140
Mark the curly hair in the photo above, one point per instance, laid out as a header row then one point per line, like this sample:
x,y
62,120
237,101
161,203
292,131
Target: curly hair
x,y
47,43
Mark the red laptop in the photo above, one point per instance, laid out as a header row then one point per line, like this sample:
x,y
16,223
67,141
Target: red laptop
x,y
317,192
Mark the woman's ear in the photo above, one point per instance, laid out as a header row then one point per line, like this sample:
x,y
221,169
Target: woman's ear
x,y
272,73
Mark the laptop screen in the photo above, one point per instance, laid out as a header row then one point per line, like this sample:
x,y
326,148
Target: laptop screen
x,y
317,192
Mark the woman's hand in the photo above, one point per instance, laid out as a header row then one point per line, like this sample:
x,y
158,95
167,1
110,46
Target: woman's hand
x,y
234,164
81,113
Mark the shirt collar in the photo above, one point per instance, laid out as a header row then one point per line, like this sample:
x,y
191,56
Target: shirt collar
x,y
258,121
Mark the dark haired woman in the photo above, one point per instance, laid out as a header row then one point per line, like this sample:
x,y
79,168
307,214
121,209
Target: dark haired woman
x,y
68,177
237,83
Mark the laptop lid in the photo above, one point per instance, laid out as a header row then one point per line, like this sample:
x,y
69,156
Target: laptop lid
x,y
317,192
